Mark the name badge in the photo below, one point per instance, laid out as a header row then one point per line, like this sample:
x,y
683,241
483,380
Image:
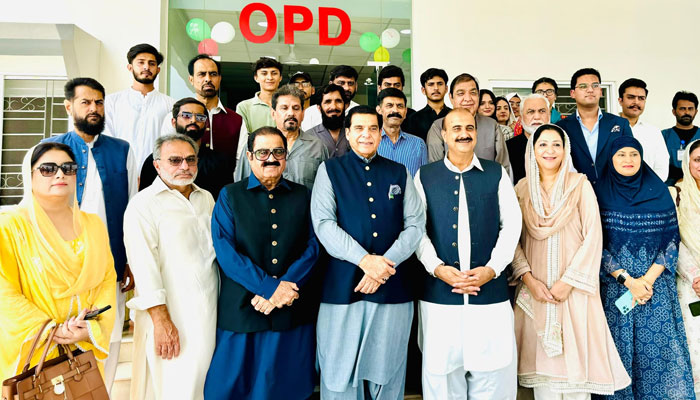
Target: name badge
x,y
679,155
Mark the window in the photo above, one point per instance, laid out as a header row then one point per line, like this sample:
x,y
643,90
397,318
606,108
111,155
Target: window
x,y
32,110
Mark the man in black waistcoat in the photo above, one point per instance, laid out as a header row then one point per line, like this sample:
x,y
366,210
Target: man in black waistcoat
x,y
266,248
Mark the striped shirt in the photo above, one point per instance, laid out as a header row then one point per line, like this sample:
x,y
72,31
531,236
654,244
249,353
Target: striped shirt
x,y
409,150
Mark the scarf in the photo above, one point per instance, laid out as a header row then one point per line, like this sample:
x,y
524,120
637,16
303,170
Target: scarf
x,y
689,208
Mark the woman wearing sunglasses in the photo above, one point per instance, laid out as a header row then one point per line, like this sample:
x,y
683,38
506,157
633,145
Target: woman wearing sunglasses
x,y
55,264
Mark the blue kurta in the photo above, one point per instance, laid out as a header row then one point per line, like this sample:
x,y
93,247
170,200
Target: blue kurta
x,y
650,338
260,364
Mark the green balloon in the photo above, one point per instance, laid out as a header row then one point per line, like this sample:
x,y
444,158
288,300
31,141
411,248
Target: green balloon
x,y
406,55
198,29
369,42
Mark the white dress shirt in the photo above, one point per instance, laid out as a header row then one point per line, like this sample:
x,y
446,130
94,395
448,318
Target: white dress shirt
x,y
169,244
312,116
93,196
473,337
654,146
137,118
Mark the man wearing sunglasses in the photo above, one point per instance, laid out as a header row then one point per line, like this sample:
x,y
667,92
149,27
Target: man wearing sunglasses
x,y
215,170
266,248
107,177
168,239
591,130
306,151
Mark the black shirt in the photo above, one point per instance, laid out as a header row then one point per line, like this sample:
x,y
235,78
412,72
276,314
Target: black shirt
x,y
516,153
419,123
214,171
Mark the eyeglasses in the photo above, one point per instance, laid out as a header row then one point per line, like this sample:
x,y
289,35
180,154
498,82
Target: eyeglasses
x,y
177,161
547,92
278,153
188,115
50,169
302,84
584,86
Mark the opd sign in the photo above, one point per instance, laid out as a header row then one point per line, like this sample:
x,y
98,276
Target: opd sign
x,y
291,26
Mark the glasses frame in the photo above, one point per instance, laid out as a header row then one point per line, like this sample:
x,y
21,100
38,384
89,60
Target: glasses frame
x,y
282,156
197,117
173,161
69,168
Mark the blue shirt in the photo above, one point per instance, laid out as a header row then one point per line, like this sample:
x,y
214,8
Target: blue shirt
x,y
591,137
409,150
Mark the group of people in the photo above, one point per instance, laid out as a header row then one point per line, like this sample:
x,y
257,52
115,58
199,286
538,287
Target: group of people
x,y
287,247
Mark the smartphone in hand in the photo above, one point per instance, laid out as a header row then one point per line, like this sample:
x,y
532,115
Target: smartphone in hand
x,y
625,303
94,314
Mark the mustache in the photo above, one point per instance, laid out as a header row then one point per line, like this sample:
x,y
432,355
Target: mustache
x,y
270,164
291,119
464,140
394,115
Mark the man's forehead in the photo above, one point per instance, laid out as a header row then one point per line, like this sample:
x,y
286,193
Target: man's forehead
x,y
86,92
465,85
344,78
205,65
459,119
177,148
269,140
288,100
268,70
392,100
588,78
534,103
145,56
364,120
332,96
192,107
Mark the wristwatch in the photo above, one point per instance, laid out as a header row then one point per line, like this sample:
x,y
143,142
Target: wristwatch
x,y
622,277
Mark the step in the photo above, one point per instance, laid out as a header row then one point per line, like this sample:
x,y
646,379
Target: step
x,y
127,348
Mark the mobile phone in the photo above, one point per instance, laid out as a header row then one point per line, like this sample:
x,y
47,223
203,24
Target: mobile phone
x,y
94,314
694,308
625,303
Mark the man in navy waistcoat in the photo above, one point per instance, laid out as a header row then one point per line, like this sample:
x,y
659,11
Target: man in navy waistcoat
x,y
367,214
473,225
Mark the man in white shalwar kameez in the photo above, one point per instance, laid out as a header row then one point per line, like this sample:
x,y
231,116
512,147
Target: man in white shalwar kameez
x,y
473,225
167,233
136,114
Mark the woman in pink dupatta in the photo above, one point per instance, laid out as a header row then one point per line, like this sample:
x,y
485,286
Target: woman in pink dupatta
x,y
565,350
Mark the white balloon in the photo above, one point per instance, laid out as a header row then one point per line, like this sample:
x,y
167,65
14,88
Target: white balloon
x,y
223,32
390,38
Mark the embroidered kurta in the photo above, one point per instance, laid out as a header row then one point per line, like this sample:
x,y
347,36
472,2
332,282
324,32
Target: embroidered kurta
x,y
136,118
589,361
168,242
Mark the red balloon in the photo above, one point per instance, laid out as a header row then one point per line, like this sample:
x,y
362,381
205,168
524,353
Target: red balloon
x,y
208,46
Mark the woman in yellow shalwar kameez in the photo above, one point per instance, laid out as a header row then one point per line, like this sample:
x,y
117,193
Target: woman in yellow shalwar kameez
x,y
55,263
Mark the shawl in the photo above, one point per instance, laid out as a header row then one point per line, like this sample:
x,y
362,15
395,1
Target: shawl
x,y
689,208
563,200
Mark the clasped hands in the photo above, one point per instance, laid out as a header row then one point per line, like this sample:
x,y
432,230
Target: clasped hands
x,y
696,286
464,282
378,270
284,295
559,292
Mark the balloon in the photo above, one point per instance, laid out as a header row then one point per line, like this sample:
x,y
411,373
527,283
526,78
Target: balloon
x,y
369,42
406,55
208,46
381,55
198,29
223,32
390,38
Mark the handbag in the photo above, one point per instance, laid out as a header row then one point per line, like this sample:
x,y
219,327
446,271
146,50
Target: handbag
x,y
73,375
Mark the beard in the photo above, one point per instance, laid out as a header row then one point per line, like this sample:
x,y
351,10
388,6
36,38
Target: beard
x,y
332,122
194,134
530,129
145,81
177,181
685,120
291,124
90,128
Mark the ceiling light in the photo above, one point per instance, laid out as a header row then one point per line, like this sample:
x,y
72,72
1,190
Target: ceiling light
x,y
314,61
406,31
263,24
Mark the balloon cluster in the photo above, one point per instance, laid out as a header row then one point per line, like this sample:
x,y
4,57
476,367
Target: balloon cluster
x,y
209,38
371,42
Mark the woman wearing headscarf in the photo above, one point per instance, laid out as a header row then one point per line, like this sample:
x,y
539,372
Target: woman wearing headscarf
x,y
564,344
640,252
504,117
55,265
686,192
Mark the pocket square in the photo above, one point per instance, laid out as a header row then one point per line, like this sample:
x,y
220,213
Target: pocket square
x,y
394,190
615,128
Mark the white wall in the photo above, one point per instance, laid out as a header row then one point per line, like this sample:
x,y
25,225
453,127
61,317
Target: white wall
x,y
651,40
118,25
